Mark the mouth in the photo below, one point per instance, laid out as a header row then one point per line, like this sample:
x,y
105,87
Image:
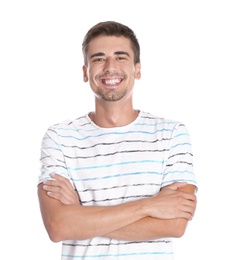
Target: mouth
x,y
112,81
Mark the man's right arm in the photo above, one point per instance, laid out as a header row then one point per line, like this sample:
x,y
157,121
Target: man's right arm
x,y
65,222
73,221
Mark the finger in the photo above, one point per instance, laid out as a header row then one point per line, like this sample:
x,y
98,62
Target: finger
x,y
55,195
176,185
189,211
187,215
58,177
61,188
180,185
190,197
191,208
62,180
184,211
188,208
58,192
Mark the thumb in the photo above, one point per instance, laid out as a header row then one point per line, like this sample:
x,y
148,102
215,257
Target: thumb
x,y
177,185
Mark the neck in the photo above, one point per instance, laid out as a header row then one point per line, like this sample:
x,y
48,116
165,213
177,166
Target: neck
x,y
113,117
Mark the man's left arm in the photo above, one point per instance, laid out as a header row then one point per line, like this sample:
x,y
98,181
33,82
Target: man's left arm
x,y
145,229
152,228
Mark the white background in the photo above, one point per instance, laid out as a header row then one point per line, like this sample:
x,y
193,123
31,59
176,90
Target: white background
x,y
187,75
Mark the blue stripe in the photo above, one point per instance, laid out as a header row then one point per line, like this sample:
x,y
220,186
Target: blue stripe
x,y
115,164
114,133
49,138
181,144
181,134
116,176
52,148
179,180
117,255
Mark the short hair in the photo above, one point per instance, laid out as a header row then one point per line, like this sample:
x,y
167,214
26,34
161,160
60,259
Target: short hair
x,y
111,28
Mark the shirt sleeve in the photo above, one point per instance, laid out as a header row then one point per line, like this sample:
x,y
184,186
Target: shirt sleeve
x,y
179,164
52,158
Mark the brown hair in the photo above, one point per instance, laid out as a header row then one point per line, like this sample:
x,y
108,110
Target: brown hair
x,y
111,28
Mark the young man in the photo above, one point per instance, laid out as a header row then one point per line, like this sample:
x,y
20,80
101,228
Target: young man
x,y
117,183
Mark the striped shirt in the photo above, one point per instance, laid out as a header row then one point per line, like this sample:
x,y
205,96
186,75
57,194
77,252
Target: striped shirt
x,y
110,166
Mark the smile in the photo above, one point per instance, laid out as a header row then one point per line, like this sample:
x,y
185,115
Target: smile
x,y
111,81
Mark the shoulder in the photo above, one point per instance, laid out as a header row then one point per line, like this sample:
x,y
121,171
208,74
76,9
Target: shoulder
x,y
69,124
158,120
67,127
169,128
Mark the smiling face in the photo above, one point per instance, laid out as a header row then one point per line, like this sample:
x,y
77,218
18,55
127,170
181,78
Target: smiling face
x,y
110,68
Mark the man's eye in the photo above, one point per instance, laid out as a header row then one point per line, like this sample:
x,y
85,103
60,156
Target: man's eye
x,y
121,58
98,60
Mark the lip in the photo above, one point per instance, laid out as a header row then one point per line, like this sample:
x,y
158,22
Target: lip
x,y
111,82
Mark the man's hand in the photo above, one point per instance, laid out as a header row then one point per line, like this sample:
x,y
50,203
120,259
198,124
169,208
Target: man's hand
x,y
172,202
61,189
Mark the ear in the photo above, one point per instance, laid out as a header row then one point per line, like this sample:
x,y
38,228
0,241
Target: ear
x,y
85,77
137,73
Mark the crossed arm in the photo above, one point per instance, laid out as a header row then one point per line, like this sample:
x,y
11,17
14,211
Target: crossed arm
x,y
165,214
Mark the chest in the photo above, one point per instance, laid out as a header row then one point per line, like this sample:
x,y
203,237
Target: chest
x,y
115,169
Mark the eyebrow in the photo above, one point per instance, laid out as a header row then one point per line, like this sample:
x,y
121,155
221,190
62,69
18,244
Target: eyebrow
x,y
98,54
122,53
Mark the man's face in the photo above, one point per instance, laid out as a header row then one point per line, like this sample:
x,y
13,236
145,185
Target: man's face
x,y
110,68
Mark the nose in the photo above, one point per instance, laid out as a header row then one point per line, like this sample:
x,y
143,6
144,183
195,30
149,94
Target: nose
x,y
110,65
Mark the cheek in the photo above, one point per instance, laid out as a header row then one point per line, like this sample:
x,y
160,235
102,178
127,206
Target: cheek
x,y
94,71
92,74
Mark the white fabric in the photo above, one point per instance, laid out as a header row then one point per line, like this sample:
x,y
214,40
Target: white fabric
x,y
109,166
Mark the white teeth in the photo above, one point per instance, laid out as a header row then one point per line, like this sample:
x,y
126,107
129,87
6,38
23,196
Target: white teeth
x,y
112,81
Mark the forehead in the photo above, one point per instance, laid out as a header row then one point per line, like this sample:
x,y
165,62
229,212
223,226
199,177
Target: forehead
x,y
109,44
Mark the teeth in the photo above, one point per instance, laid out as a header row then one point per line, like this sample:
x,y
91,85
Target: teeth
x,y
112,81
